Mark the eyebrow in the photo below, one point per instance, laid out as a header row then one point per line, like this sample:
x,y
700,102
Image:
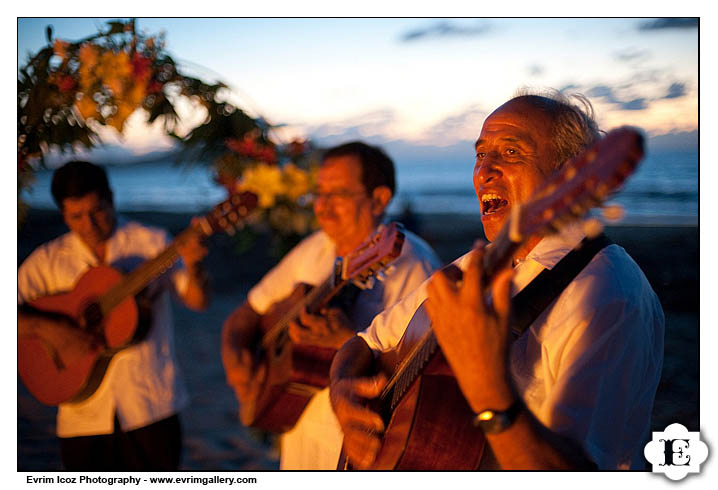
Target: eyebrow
x,y
508,139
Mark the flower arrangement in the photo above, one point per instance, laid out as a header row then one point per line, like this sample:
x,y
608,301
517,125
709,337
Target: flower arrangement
x,y
282,177
68,90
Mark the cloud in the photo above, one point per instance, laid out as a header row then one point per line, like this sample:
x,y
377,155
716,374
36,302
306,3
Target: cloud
x,y
632,54
603,92
670,23
371,126
465,125
444,29
634,105
535,70
676,90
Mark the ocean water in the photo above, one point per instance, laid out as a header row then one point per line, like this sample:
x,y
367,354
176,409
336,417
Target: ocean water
x,y
664,189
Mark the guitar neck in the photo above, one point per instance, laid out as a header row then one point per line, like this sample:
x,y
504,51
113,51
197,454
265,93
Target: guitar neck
x,y
497,255
136,280
313,301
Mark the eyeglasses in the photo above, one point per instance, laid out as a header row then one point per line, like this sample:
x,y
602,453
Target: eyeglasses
x,y
336,196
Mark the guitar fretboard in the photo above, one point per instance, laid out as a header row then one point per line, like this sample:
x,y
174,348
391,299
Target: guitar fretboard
x,y
136,280
410,369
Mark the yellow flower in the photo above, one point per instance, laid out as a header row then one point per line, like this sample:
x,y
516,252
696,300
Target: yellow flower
x,y
297,182
265,181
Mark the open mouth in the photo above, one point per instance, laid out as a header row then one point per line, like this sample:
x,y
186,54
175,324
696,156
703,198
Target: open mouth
x,y
491,203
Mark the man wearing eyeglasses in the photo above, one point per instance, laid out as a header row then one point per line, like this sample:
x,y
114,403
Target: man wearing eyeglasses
x,y
355,185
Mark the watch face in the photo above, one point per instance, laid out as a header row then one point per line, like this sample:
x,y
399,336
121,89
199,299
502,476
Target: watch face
x,y
496,422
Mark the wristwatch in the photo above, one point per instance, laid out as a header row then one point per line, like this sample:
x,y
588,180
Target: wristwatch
x,y
496,421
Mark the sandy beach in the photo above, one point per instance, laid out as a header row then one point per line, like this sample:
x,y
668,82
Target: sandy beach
x,y
214,439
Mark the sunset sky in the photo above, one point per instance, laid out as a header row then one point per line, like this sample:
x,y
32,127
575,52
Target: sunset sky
x,y
422,80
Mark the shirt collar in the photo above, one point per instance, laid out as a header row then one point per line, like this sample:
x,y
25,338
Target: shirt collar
x,y
552,248
546,254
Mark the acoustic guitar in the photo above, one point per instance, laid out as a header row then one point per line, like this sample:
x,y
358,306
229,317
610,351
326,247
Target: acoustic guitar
x,y
295,372
102,302
429,424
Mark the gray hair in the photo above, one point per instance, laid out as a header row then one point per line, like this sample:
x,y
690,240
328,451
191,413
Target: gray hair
x,y
574,127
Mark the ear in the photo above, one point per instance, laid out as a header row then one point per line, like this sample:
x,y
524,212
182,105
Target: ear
x,y
380,200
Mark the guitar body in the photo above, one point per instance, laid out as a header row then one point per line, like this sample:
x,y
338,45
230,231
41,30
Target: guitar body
x,y
53,384
431,428
295,373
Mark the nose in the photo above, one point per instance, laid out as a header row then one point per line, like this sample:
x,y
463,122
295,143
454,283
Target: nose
x,y
486,170
86,222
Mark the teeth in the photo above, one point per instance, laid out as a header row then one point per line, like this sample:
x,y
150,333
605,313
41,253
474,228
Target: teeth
x,y
488,197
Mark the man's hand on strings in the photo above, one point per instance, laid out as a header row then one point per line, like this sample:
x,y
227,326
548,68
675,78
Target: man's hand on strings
x,y
331,328
361,426
473,330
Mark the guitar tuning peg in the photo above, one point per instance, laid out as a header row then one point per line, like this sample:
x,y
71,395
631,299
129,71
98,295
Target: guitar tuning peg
x,y
614,212
592,227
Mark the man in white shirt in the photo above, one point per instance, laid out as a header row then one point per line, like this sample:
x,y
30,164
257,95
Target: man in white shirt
x,y
130,422
355,184
576,389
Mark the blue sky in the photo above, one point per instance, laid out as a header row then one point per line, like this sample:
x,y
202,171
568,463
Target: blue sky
x,y
422,81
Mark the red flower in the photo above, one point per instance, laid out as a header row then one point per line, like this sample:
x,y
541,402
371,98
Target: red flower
x,y
140,66
66,83
154,87
267,154
246,146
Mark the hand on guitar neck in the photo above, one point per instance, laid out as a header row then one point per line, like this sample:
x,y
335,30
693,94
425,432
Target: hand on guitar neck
x,y
473,331
192,250
331,328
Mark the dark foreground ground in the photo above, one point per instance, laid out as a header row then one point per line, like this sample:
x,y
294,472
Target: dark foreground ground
x,y
214,439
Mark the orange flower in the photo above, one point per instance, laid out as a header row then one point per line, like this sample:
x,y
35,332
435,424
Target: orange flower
x,y
88,56
135,94
86,107
60,48
124,111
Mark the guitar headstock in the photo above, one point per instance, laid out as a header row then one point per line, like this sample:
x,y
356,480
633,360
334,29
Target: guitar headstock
x,y
229,215
582,183
374,254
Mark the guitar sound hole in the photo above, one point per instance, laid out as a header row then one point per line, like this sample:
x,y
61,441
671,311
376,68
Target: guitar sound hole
x,y
281,343
92,316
